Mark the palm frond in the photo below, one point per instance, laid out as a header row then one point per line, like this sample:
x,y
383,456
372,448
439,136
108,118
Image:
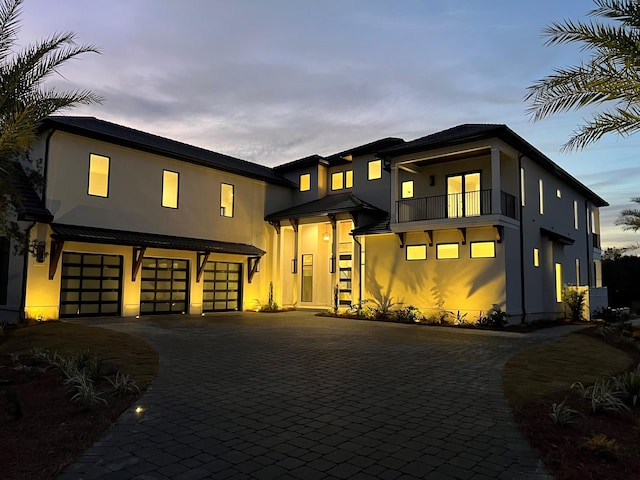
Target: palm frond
x,y
623,121
9,26
624,11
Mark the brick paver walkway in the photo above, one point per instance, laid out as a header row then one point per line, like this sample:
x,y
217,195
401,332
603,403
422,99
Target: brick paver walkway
x,y
294,396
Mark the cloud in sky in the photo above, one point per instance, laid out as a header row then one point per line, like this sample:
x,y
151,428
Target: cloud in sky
x,y
274,81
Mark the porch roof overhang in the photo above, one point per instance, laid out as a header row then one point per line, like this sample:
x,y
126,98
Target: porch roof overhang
x,y
557,237
379,226
342,203
77,233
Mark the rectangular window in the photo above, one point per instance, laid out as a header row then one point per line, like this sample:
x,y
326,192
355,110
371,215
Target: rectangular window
x,y
575,214
558,282
463,195
374,169
307,278
577,272
407,189
447,250
416,252
558,193
597,273
337,181
98,176
483,249
522,186
226,200
170,185
348,179
536,257
541,188
305,182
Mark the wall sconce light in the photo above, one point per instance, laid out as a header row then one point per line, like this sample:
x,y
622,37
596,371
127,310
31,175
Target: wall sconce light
x,y
332,264
432,180
326,236
294,265
40,252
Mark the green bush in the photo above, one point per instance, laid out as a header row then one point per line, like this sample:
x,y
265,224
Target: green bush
x,y
574,301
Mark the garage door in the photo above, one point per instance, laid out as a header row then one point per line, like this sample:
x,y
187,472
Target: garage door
x,y
91,284
221,286
164,285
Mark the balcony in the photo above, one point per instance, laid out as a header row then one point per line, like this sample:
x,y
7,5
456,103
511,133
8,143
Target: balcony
x,y
455,205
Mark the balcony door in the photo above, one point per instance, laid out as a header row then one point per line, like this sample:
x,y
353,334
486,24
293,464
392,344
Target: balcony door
x,y
463,195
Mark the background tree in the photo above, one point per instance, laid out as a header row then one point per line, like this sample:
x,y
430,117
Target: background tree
x,y
610,74
630,218
25,101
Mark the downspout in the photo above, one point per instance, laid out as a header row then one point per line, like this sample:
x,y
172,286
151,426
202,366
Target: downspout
x,y
522,275
25,269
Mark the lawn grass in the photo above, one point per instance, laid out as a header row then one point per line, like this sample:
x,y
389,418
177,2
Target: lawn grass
x,y
120,350
540,371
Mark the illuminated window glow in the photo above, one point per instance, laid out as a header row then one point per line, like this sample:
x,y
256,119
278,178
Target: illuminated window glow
x,y
305,182
416,252
522,186
558,193
541,188
226,200
558,282
575,215
483,249
577,271
447,250
98,176
170,183
337,181
348,179
407,189
536,257
374,169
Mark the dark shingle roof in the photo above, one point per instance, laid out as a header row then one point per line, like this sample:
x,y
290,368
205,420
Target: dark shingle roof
x,y
366,149
78,233
339,203
29,205
472,131
381,225
129,137
309,161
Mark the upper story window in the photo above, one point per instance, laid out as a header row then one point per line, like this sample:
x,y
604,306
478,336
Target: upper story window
x,y
407,189
575,214
558,193
337,181
226,200
170,185
348,179
522,186
98,175
374,170
463,195
305,182
541,188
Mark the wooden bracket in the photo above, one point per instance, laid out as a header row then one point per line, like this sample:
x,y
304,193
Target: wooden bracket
x,y
463,232
138,255
294,224
401,238
276,224
429,234
253,263
203,257
54,258
499,233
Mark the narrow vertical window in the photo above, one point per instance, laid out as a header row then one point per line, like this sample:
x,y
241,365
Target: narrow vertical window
x,y
577,272
348,179
170,185
226,200
407,189
307,278
522,186
98,176
597,273
558,282
374,169
305,182
575,214
541,187
536,257
337,181
558,193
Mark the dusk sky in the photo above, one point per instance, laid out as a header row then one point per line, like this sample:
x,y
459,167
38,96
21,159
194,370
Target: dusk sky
x,y
271,81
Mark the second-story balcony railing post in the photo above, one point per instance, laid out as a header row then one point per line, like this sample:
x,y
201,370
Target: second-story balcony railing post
x,y
455,205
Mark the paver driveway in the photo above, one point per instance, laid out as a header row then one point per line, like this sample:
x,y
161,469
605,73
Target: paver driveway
x,y
292,395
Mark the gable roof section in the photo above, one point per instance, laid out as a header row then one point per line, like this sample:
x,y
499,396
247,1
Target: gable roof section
x,y
30,206
366,149
110,132
310,161
330,204
76,233
472,131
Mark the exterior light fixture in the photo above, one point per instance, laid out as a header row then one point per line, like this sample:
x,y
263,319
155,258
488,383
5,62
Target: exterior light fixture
x,y
294,265
332,264
326,236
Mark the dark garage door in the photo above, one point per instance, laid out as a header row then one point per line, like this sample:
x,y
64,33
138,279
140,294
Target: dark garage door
x,y
164,286
91,284
221,286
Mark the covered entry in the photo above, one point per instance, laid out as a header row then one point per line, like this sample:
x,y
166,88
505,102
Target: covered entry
x,y
91,284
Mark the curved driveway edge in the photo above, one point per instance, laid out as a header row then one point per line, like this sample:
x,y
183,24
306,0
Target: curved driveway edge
x,y
295,396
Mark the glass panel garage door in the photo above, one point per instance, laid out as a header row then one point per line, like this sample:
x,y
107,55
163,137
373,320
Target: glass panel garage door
x,y
221,286
91,284
164,286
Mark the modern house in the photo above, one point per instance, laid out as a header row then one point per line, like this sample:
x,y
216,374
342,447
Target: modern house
x,y
467,219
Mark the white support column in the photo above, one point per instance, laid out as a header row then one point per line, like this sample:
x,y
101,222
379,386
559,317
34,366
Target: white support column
x,y
496,206
394,193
